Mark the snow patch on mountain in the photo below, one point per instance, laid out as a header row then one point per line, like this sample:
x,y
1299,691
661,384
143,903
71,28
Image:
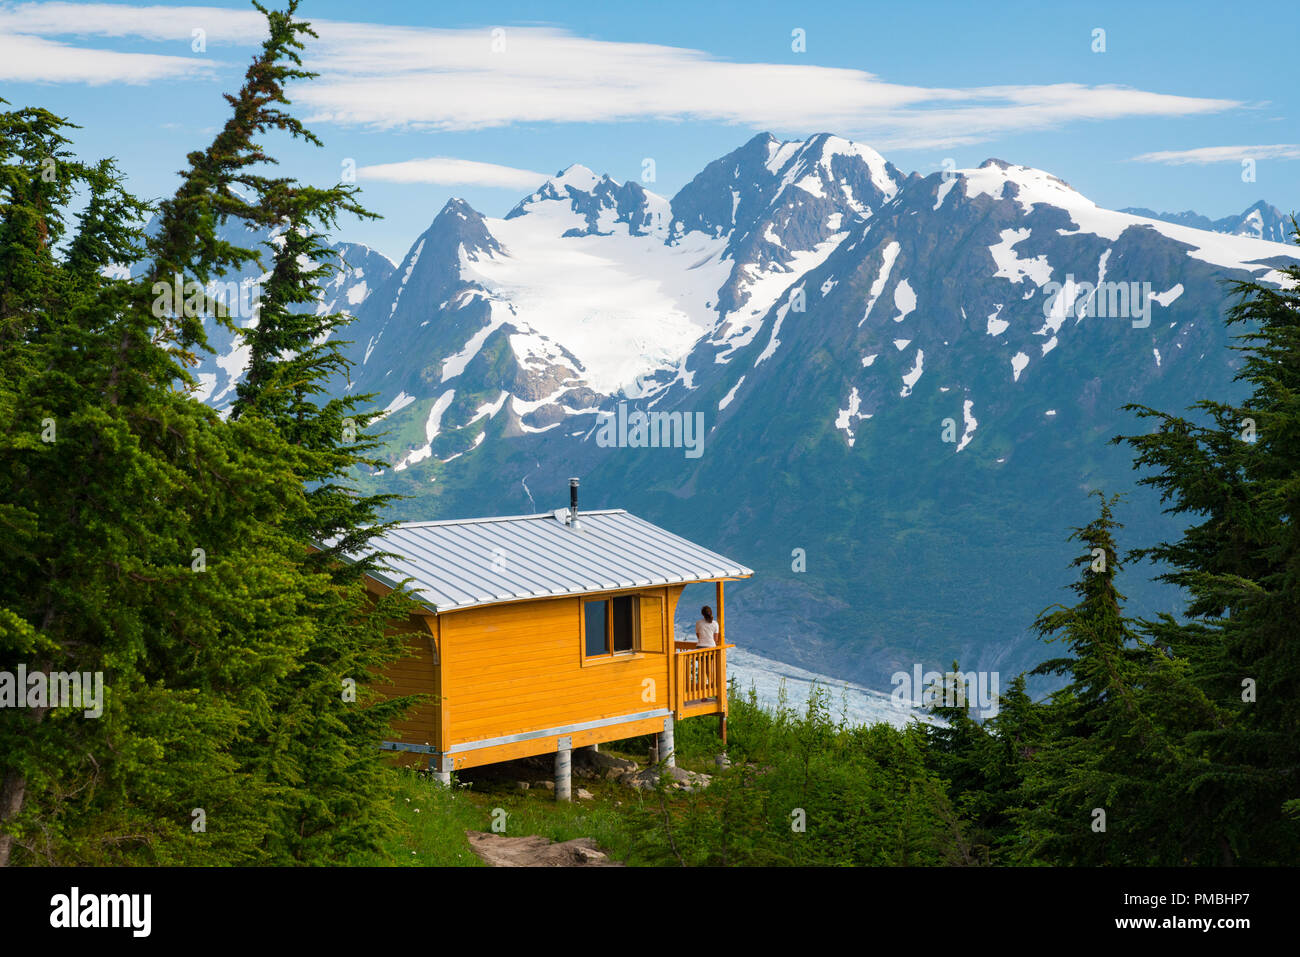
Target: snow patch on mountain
x,y
996,326
489,409
432,427
523,407
765,288
454,365
406,275
1018,363
945,188
888,256
726,399
1010,266
478,440
1062,304
904,299
970,423
911,378
400,402
770,349
845,418
1168,296
601,295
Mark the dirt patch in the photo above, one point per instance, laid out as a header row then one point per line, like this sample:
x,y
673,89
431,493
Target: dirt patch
x,y
537,851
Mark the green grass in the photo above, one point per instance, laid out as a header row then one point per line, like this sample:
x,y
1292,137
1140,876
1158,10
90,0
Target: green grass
x,y
865,792
433,819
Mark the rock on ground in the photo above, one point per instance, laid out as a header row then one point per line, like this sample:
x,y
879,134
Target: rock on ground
x,y
678,778
537,851
598,763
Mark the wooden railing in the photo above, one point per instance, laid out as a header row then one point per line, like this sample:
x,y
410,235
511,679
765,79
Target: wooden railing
x,y
700,674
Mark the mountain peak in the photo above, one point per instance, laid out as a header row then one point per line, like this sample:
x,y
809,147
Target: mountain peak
x,y
577,176
459,217
569,183
584,204
834,143
460,224
459,207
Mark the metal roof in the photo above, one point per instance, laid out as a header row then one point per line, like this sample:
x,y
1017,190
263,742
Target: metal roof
x,y
467,563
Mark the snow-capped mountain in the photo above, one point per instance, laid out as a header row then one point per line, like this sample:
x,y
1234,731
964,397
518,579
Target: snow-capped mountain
x,y
590,289
907,384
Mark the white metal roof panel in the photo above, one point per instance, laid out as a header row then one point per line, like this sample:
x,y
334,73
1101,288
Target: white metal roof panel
x,y
467,563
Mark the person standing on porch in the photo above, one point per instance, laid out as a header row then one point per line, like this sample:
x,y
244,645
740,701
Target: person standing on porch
x,y
706,629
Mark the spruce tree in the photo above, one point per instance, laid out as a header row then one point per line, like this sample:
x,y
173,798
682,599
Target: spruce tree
x,y
329,727
975,762
1012,735
109,478
1233,469
148,539
1103,783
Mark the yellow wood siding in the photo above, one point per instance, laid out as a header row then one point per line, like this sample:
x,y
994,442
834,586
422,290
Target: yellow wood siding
x,y
651,631
415,674
509,669
674,593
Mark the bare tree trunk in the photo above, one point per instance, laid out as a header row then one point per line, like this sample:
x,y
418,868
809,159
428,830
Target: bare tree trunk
x,y
12,791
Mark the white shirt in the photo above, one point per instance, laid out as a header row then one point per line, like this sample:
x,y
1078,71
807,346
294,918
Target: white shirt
x,y
706,633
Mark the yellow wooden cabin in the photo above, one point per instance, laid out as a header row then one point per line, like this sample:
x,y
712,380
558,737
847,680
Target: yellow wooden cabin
x,y
543,633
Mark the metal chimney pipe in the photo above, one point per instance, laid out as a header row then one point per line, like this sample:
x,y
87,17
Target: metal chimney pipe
x,y
573,503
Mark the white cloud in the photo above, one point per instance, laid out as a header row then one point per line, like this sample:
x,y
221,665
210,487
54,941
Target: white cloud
x,y
449,171
28,56
391,77
161,23
26,59
1205,155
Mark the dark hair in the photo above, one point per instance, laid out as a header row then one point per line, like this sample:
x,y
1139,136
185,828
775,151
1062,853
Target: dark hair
x,y
707,612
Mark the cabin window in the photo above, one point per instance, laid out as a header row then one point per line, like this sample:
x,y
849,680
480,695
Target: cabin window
x,y
623,619
595,613
610,626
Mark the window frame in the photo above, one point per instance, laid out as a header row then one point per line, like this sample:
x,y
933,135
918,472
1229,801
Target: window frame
x,y
609,656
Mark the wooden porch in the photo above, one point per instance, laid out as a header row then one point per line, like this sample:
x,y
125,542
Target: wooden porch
x,y
700,674
700,679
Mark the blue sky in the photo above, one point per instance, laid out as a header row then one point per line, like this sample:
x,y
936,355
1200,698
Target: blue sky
x,y
428,102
